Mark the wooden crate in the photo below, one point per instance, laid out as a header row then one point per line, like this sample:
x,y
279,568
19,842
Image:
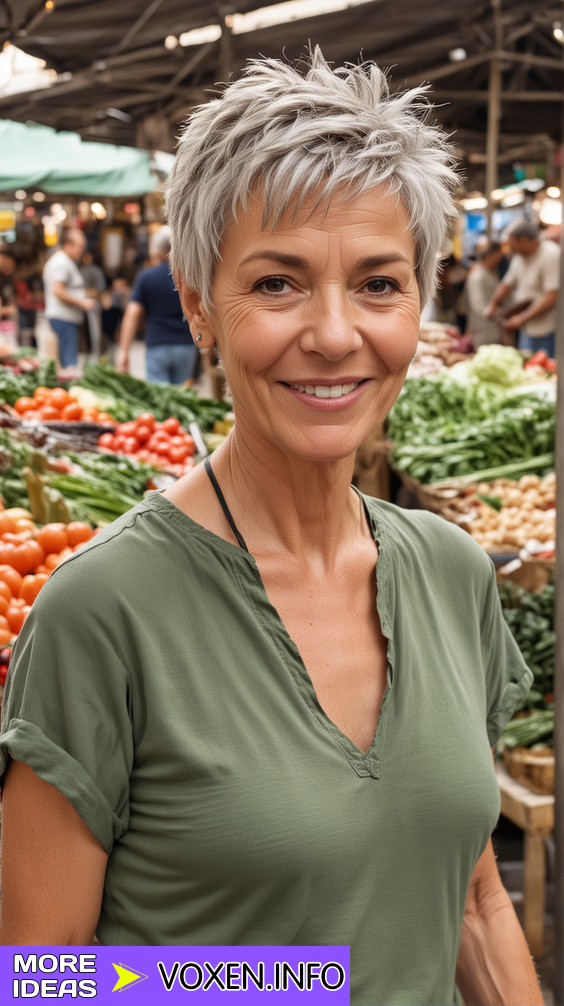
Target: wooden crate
x,y
533,769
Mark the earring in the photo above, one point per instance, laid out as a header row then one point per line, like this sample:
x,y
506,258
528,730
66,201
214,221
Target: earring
x,y
199,338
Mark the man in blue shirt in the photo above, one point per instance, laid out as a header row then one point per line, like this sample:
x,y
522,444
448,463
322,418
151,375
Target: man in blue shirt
x,y
170,350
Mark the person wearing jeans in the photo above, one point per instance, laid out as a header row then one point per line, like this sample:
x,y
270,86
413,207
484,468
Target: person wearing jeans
x,y
170,350
65,295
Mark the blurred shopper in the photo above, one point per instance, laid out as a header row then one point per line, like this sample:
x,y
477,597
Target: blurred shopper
x,y
95,283
65,295
534,278
481,283
8,306
170,350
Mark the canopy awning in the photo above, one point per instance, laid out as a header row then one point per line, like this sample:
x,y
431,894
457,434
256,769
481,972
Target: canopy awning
x,y
39,157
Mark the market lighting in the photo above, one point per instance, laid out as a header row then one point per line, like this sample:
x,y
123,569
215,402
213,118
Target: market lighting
x,y
98,211
20,193
264,17
514,199
550,212
557,31
475,202
39,197
18,206
457,55
498,194
553,191
171,42
49,4
29,211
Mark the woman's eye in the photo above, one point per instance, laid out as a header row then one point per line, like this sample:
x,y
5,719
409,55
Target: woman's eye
x,y
274,284
380,286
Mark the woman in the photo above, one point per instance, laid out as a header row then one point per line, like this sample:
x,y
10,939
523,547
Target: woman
x,y
269,700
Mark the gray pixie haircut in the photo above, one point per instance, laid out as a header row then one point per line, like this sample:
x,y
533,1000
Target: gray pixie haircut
x,y
287,135
522,228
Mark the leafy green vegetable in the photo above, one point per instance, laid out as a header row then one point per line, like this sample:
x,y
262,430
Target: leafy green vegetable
x,y
528,730
530,617
14,386
498,364
491,500
163,400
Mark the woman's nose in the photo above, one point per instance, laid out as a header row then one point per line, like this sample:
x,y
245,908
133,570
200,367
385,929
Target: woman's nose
x,y
330,328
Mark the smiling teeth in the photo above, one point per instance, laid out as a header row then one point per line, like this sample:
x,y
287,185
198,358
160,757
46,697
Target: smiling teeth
x,y
326,391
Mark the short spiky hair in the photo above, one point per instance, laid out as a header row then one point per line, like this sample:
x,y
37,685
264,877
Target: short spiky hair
x,y
291,134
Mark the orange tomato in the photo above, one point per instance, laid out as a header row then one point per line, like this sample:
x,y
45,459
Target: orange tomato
x,y
4,605
7,523
90,416
51,561
78,532
38,554
50,413
42,569
24,404
71,412
16,618
5,592
64,554
5,636
40,400
58,398
4,624
23,559
31,585
41,392
52,538
11,577
6,552
23,524
104,417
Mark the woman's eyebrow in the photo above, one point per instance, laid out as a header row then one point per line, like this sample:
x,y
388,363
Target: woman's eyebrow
x,y
294,261
385,258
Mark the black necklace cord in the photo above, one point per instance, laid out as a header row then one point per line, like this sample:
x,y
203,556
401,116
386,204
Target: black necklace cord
x,y
224,507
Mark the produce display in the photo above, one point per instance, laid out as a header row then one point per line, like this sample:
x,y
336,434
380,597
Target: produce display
x,y
438,346
165,445
443,429
52,404
504,515
530,616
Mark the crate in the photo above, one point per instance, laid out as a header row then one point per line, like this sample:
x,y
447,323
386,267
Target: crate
x,y
534,769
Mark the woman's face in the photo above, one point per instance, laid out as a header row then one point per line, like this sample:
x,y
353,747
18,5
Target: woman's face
x,y
316,321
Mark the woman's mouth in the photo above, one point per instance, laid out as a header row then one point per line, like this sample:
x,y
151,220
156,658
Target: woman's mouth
x,y
325,390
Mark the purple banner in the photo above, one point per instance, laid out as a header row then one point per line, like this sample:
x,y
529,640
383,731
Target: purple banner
x,y
148,975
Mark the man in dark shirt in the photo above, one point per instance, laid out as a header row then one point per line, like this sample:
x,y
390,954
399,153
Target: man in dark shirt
x,y
170,350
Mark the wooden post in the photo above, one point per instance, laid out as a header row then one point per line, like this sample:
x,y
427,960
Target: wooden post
x,y
533,908
494,113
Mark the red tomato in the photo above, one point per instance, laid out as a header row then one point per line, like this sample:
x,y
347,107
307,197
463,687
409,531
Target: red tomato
x,y
127,429
146,419
162,448
143,434
33,416
23,559
131,445
177,441
38,554
119,443
107,441
171,425
190,442
58,398
31,585
49,413
178,455
143,454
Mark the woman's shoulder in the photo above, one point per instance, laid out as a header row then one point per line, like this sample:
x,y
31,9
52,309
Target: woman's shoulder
x,y
428,536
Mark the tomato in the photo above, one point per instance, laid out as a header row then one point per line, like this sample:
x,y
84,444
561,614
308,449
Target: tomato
x,y
33,415
177,441
178,455
5,592
64,554
5,655
42,392
24,405
171,425
4,605
104,417
52,538
23,559
7,523
143,455
15,617
119,442
6,637
153,441
143,434
71,412
78,531
49,413
38,554
58,398
51,561
131,445
24,524
42,569
145,419
190,442
162,448
11,577
6,553
89,416
127,429
31,585
107,441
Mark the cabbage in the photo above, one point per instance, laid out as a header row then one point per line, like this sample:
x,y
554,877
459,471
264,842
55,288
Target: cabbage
x,y
498,364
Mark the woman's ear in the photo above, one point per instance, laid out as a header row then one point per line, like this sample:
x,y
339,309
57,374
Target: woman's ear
x,y
196,313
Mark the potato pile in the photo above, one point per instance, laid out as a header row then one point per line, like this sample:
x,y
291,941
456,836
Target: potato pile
x,y
527,512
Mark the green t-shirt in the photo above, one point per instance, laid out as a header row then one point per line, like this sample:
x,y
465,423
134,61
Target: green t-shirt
x,y
156,687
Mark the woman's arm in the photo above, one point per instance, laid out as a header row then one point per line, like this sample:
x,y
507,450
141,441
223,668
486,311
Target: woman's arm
x,y
494,965
53,868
